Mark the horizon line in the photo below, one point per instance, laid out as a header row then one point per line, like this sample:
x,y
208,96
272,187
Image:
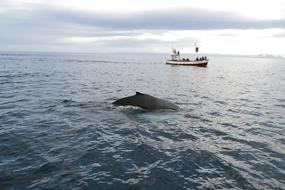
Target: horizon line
x,y
259,55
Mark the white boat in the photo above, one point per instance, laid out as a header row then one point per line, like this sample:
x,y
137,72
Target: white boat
x,y
177,60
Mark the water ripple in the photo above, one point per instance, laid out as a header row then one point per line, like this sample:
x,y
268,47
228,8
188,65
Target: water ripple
x,y
59,130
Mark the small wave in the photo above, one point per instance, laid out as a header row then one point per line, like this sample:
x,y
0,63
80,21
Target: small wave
x,y
191,116
280,105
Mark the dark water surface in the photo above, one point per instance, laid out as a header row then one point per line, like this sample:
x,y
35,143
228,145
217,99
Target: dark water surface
x,y
58,129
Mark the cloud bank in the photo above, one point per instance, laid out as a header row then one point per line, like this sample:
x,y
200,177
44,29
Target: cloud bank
x,y
167,19
36,26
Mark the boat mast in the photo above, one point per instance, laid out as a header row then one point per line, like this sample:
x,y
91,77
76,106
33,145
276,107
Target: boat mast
x,y
196,48
196,51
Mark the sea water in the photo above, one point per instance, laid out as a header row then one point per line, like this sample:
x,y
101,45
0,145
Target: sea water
x,y
59,129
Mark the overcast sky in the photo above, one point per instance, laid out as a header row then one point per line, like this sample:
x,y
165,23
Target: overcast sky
x,y
218,26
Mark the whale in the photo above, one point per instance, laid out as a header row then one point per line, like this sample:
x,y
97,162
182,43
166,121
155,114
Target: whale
x,y
146,102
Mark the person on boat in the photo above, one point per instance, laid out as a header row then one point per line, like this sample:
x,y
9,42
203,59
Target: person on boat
x,y
197,59
178,53
205,57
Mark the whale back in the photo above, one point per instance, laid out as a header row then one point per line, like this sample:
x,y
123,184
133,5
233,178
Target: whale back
x,y
146,101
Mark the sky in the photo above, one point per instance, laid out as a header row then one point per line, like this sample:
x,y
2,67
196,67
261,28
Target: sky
x,y
242,27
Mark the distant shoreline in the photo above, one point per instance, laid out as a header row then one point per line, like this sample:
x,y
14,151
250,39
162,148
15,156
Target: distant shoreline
x,y
270,56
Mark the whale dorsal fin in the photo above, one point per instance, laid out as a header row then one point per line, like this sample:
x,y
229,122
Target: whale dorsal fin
x,y
138,93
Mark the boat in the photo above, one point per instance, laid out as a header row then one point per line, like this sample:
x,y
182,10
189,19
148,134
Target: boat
x,y
177,60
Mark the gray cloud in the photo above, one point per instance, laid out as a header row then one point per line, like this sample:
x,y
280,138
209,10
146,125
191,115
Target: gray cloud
x,y
36,27
175,19
169,19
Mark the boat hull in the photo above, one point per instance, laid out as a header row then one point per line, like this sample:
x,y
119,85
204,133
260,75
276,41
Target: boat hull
x,y
200,63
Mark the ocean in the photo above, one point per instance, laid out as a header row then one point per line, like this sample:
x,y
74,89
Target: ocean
x,y
59,129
